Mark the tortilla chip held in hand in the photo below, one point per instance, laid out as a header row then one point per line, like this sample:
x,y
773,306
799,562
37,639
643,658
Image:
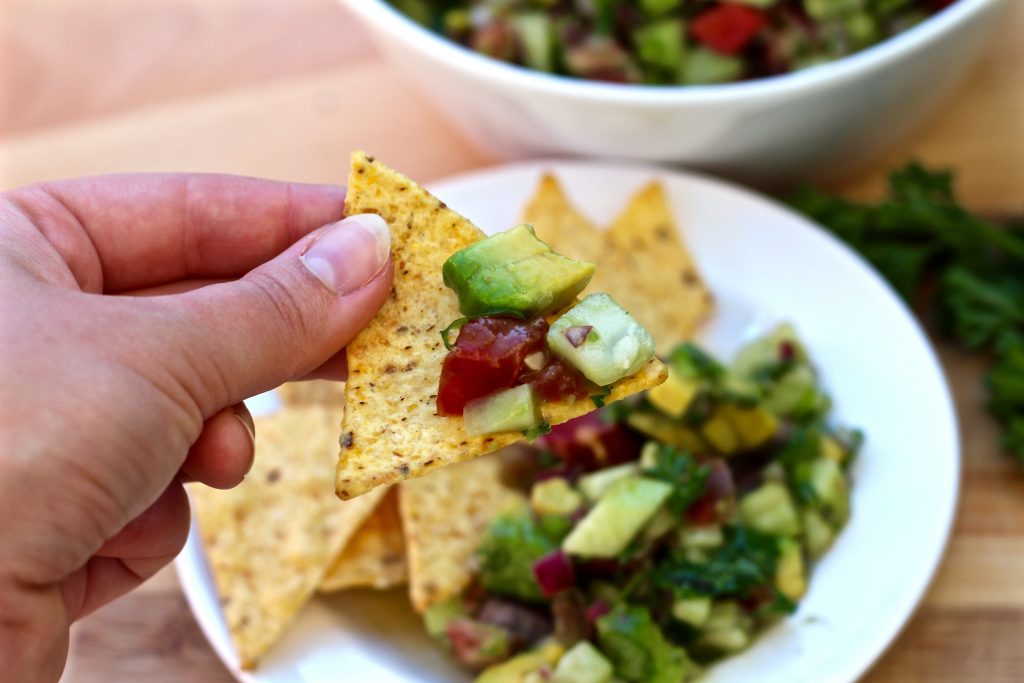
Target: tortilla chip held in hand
x,y
270,540
508,288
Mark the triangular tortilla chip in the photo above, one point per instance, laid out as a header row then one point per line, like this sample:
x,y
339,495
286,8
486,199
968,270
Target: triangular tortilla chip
x,y
444,516
319,392
375,557
557,222
649,272
269,540
391,429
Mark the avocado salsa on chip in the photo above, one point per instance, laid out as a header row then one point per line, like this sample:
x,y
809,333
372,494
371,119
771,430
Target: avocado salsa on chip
x,y
668,42
663,531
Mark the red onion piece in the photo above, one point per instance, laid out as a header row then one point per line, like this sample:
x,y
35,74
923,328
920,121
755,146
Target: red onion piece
x,y
597,609
554,573
577,335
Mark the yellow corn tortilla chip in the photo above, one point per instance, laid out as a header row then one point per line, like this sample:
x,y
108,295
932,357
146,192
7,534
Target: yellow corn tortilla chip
x,y
557,222
649,272
444,517
375,556
391,430
269,540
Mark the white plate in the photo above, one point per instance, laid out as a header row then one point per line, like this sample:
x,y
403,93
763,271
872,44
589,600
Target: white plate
x,y
764,264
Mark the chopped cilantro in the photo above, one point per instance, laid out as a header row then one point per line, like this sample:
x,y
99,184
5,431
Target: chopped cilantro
x,y
682,470
745,562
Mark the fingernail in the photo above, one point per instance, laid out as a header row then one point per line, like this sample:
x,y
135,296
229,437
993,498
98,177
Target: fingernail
x,y
346,255
245,417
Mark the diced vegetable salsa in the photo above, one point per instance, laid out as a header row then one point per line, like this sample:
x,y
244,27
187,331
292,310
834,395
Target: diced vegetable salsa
x,y
662,532
668,42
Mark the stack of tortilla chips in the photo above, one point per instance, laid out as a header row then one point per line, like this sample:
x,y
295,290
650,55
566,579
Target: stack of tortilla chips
x,y
283,534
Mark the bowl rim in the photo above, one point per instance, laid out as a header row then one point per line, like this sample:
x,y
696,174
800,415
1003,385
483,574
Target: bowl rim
x,y
383,15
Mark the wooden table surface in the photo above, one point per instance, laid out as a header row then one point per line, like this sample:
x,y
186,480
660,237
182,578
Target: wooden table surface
x,y
287,89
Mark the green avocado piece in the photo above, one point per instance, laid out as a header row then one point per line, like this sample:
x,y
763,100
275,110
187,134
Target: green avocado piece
x,y
638,649
618,516
514,273
507,553
616,345
771,510
509,410
583,663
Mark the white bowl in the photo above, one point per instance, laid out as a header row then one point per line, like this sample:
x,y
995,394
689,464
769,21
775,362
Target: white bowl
x,y
765,264
767,132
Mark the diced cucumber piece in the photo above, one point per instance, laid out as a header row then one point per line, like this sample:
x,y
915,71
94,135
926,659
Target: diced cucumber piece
x,y
766,351
655,7
583,663
704,67
596,483
516,669
554,496
795,393
831,9
771,510
831,450
727,628
511,410
832,490
617,517
817,533
649,455
790,572
662,523
694,611
436,618
675,395
702,537
616,345
537,38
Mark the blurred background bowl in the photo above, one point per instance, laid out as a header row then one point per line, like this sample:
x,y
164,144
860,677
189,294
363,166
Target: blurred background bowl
x,y
770,132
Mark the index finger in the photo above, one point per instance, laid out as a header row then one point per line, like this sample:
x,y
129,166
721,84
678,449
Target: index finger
x,y
133,231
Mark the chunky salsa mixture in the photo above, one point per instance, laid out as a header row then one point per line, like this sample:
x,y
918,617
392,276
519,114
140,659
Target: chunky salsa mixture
x,y
508,358
661,533
668,42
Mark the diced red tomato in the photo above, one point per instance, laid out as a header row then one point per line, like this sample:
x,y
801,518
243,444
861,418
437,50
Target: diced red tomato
x,y
727,28
488,356
557,380
590,442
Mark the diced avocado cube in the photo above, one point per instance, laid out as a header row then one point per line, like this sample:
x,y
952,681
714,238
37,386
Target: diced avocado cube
x,y
752,426
794,393
771,510
768,350
662,523
704,67
720,434
596,483
638,649
617,517
514,273
510,410
655,7
436,618
661,44
693,611
817,533
554,496
790,572
832,9
674,395
667,431
616,345
832,490
583,663
517,668
512,543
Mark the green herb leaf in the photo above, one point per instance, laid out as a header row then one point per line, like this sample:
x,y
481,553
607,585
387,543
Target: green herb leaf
x,y
683,472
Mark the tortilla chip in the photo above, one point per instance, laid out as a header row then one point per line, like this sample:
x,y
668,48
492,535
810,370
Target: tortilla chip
x,y
391,430
444,516
375,557
316,392
649,272
557,222
270,540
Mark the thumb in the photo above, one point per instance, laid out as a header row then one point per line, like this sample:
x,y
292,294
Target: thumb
x,y
286,317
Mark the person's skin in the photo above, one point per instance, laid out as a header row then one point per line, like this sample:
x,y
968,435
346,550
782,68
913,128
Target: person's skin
x,y
109,402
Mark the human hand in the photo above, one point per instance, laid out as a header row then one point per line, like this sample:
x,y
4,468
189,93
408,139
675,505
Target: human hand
x,y
109,402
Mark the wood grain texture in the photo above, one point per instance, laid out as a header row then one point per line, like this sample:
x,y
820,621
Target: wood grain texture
x,y
287,90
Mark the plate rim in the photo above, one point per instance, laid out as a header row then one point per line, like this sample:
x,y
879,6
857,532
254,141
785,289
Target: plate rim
x,y
879,642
